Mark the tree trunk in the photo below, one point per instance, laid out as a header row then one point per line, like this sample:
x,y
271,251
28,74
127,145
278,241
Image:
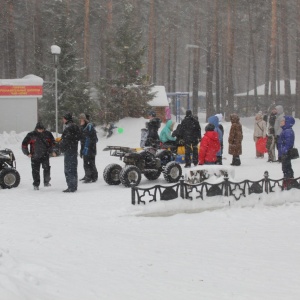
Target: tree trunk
x,y
150,40
252,45
196,62
267,70
230,55
209,69
273,50
216,55
169,59
285,58
297,110
11,43
174,79
86,39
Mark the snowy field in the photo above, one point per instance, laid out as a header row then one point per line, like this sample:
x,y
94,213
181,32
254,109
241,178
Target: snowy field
x,y
94,244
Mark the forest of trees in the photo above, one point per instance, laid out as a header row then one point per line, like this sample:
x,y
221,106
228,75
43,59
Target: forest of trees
x,y
222,47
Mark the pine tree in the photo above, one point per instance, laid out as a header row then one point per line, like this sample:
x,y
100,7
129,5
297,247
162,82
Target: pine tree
x,y
73,90
127,92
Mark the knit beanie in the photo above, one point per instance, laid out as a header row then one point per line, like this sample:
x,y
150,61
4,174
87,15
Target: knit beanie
x,y
68,116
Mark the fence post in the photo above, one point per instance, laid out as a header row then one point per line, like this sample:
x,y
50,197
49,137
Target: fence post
x,y
133,193
266,175
181,186
226,184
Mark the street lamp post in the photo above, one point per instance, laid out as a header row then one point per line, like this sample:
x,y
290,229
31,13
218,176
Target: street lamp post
x,y
55,50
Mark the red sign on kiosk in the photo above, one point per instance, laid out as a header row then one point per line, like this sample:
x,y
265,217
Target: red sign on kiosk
x,y
21,90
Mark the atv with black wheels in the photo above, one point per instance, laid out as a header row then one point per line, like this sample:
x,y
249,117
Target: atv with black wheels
x,y
148,161
9,176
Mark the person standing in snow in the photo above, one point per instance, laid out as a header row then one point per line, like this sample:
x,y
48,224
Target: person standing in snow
x,y
215,121
69,146
209,146
153,125
235,140
88,149
278,129
271,136
191,133
165,135
41,142
286,142
260,131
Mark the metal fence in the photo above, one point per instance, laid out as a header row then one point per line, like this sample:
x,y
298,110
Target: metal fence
x,y
204,189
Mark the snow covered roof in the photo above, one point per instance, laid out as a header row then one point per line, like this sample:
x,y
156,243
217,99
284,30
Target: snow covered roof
x,y
27,80
261,89
160,98
25,87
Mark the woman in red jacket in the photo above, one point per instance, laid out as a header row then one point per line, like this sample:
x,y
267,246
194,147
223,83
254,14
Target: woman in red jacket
x,y
209,146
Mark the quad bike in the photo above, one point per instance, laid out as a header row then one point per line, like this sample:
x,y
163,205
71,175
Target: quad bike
x,y
9,176
148,161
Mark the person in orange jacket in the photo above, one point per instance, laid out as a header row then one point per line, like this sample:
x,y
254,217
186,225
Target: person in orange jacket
x,y
209,146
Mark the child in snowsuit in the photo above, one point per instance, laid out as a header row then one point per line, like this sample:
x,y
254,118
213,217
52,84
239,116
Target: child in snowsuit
x,y
286,142
235,139
215,121
165,135
271,141
260,130
209,146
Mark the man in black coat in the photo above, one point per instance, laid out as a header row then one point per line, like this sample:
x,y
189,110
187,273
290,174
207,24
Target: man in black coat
x,y
153,125
40,142
191,133
69,146
88,149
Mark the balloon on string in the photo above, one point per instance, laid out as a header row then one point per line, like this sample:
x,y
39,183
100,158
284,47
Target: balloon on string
x,y
120,130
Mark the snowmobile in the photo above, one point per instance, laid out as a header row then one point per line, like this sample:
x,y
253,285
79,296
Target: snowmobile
x,y
9,176
148,161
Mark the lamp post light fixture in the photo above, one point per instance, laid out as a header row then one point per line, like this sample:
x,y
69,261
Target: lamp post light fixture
x,y
55,51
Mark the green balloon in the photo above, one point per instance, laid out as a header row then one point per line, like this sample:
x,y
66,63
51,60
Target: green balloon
x,y
120,130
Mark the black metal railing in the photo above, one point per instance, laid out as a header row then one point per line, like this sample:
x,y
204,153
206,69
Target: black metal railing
x,y
204,189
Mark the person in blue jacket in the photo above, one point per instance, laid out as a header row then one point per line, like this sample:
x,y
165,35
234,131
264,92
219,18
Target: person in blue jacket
x,y
286,142
88,150
215,121
165,135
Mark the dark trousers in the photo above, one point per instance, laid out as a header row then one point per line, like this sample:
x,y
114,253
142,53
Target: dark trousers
x,y
36,166
287,167
189,149
90,169
70,164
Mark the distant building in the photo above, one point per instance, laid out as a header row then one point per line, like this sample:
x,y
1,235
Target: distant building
x,y
19,103
245,105
159,102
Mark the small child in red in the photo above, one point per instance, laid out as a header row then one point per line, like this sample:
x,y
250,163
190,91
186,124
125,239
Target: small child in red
x,y
209,146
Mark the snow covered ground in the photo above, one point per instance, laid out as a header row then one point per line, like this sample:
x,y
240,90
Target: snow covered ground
x,y
94,244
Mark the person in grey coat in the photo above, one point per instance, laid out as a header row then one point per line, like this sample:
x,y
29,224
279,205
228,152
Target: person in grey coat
x,y
278,129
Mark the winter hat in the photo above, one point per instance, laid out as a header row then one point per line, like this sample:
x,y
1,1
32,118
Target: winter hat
x,y
188,113
210,127
68,116
220,117
39,125
83,117
152,113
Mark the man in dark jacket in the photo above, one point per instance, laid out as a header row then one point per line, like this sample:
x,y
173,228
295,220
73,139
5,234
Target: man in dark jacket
x,y
69,146
40,142
191,133
88,149
153,125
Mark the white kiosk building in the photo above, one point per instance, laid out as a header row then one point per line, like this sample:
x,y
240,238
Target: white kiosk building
x,y
19,103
